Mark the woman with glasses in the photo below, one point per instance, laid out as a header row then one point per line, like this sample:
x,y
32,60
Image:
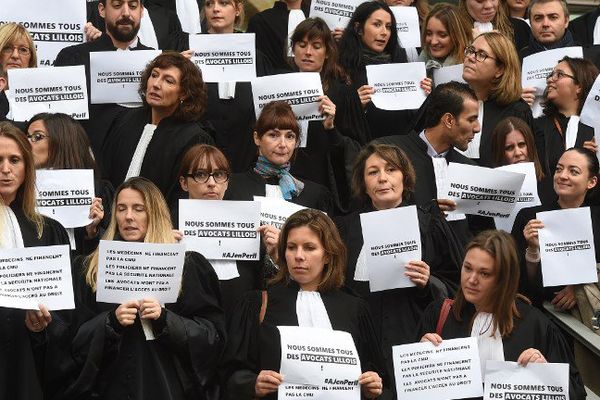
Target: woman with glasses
x,y
150,141
204,175
568,85
59,142
17,51
492,69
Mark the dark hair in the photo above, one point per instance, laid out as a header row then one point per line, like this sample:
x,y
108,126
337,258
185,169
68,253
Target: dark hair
x,y
447,98
562,3
506,126
335,250
277,115
203,154
592,196
351,57
316,28
585,73
68,144
501,247
391,154
192,87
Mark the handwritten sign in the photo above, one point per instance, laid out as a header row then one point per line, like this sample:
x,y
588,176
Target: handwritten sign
x,y
52,27
115,75
52,90
133,271
221,229
35,275
229,57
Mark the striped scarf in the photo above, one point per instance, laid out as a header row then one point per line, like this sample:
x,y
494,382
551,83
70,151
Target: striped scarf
x,y
289,185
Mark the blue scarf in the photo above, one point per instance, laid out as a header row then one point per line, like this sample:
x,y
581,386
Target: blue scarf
x,y
289,185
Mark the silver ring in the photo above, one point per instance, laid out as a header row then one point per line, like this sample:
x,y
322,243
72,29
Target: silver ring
x,y
101,207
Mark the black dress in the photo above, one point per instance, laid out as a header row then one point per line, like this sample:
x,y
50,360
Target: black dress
x,y
118,362
550,141
531,330
441,251
253,346
521,31
32,365
163,156
583,26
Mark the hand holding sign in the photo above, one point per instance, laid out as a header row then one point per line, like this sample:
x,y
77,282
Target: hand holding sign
x,y
38,320
267,382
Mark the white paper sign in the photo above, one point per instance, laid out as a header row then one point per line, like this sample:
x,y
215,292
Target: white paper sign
x,y
274,211
591,111
336,13
133,271
115,75
300,89
318,364
407,26
448,74
388,249
52,90
52,26
509,381
567,247
34,275
221,229
397,86
229,57
449,371
483,191
528,197
536,67
65,195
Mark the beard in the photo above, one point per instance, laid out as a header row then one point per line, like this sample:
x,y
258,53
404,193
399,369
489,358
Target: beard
x,y
124,30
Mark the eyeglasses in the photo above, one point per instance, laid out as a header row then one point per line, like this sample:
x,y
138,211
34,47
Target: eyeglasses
x,y
558,74
22,50
36,136
201,176
480,55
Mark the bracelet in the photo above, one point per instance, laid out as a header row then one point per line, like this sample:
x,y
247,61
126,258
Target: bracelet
x,y
532,256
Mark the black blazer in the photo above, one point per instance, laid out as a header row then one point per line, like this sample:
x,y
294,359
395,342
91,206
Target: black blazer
x,y
582,27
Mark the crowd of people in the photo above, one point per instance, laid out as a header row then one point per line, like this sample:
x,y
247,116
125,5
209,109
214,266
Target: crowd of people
x,y
188,139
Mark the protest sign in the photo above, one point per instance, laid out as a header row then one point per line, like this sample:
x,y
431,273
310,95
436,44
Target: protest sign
x,y
33,275
448,74
300,89
449,371
230,57
591,111
52,27
388,249
536,67
134,271
483,191
52,90
567,247
115,75
318,364
274,211
336,13
394,93
65,195
407,26
221,229
536,381
528,196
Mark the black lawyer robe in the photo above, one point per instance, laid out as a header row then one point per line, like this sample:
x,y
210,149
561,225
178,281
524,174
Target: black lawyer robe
x,y
583,26
521,31
550,141
32,365
101,115
441,250
253,347
531,330
118,362
163,156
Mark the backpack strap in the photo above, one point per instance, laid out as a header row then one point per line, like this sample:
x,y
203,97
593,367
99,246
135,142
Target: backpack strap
x,y
443,315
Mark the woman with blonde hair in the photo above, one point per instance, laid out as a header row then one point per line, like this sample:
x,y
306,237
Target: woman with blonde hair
x,y
489,15
492,69
110,343
444,38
